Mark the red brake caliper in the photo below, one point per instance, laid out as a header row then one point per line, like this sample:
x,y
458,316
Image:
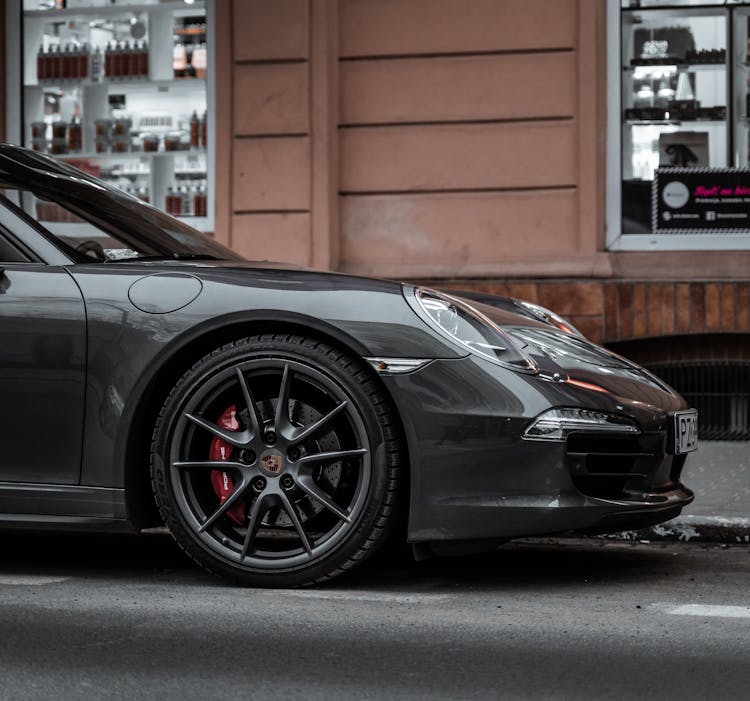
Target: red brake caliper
x,y
221,450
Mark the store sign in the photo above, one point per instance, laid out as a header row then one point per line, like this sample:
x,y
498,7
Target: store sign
x,y
700,201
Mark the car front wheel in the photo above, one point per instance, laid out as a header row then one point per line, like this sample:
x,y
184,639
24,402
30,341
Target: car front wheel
x,y
275,461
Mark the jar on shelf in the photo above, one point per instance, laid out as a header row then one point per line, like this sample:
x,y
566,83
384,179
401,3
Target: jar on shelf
x,y
38,130
103,128
121,144
58,147
121,126
101,145
150,142
173,141
39,145
75,136
59,130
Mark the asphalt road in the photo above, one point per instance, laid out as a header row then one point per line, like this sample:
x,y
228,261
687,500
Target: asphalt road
x,y
120,617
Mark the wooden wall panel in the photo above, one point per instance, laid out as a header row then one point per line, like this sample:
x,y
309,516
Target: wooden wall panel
x,y
278,237
271,174
456,229
270,29
271,99
512,86
408,27
458,157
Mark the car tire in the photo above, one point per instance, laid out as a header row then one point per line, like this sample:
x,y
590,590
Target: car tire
x,y
271,492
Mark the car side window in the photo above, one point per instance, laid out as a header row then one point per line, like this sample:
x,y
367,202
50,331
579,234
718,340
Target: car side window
x,y
68,228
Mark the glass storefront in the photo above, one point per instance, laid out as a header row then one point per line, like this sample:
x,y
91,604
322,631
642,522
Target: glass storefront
x,y
120,89
679,116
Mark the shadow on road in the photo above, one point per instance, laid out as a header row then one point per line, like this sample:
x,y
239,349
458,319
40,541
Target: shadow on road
x,y
540,564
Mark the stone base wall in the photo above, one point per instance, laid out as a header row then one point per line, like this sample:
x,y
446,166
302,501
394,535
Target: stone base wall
x,y
612,311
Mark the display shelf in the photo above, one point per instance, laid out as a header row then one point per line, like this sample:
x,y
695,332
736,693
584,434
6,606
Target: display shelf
x,y
672,122
677,67
110,10
157,103
135,83
111,155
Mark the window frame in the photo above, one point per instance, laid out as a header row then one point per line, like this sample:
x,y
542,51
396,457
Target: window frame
x,y
616,240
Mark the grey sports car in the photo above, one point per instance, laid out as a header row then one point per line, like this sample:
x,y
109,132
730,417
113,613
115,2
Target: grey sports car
x,y
283,423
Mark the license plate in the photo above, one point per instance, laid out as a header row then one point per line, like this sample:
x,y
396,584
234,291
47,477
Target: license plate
x,y
685,431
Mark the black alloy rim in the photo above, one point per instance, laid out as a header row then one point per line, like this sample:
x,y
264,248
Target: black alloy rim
x,y
300,463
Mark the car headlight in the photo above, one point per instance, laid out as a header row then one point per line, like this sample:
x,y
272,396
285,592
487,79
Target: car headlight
x,y
549,317
471,329
558,424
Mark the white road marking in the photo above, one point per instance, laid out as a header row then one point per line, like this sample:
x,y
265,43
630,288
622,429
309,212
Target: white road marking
x,y
714,611
366,596
29,580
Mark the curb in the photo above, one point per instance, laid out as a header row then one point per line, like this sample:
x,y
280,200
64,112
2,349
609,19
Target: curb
x,y
691,529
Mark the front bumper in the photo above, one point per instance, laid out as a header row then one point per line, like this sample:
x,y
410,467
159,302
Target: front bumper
x,y
473,477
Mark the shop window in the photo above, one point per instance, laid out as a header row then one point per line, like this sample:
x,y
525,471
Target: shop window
x,y
120,90
679,105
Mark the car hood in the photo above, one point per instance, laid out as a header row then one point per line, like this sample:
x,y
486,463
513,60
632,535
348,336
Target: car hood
x,y
579,361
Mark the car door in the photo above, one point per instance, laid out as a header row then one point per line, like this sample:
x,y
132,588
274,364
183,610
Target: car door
x,y
42,368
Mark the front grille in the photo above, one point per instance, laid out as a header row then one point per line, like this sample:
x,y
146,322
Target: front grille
x,y
720,391
613,467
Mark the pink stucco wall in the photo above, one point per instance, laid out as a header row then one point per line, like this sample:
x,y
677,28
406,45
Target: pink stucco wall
x,y
414,137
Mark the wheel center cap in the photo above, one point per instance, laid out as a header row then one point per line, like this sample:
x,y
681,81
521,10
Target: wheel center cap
x,y
272,462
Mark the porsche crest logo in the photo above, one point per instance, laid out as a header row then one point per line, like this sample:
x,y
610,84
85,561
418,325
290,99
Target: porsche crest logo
x,y
272,463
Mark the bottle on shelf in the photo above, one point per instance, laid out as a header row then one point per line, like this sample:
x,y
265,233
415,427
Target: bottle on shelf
x,y
72,61
143,60
204,130
125,69
53,63
179,59
200,55
194,130
40,77
75,135
54,69
200,200
117,53
64,63
173,202
83,61
108,61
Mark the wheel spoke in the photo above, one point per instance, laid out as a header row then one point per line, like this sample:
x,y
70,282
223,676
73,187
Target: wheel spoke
x,y
310,430
315,492
232,499
281,420
333,455
291,509
239,439
257,511
252,407
222,465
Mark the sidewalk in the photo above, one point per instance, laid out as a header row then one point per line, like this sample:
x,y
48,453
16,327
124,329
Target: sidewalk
x,y
719,474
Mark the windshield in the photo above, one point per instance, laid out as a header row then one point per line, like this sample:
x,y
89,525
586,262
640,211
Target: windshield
x,y
92,220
